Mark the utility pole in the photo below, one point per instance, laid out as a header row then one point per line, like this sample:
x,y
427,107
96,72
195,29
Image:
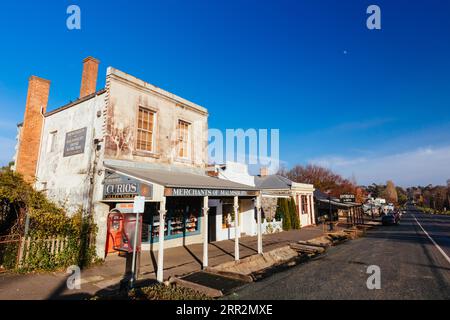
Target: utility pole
x,y
371,209
330,212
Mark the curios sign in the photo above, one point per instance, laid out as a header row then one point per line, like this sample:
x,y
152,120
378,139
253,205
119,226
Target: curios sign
x,y
117,186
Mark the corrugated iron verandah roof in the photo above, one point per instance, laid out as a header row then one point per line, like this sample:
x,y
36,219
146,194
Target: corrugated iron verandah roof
x,y
176,179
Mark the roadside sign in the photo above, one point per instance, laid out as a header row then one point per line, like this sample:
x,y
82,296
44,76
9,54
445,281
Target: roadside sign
x,y
125,207
139,205
347,198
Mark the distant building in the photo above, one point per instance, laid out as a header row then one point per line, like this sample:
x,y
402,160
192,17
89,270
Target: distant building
x,y
273,187
276,186
448,183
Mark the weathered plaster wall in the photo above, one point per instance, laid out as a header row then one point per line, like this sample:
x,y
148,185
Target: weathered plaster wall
x,y
67,179
125,95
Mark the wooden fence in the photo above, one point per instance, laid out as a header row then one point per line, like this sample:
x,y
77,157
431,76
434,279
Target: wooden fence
x,y
53,245
273,226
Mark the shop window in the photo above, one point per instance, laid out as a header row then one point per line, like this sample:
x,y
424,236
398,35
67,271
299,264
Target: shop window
x,y
182,219
183,139
145,233
156,226
227,216
146,123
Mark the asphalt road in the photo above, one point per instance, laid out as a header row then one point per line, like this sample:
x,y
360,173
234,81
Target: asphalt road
x,y
411,266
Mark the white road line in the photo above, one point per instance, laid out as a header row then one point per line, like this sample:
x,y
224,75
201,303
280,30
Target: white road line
x,y
432,240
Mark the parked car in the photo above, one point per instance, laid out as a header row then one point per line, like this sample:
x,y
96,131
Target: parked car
x,y
389,219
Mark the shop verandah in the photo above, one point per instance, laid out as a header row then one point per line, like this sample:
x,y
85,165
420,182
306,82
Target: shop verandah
x,y
177,211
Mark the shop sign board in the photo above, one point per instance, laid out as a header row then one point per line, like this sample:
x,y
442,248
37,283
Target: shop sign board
x,y
277,192
139,204
203,192
120,187
125,207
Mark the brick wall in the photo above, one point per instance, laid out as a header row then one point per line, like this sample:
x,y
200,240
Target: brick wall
x,y
89,77
37,99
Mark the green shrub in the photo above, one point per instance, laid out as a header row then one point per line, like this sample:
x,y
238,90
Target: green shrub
x,y
8,255
284,205
278,212
295,220
46,220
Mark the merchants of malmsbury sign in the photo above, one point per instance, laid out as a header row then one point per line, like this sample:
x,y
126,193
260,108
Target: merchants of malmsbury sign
x,y
75,142
118,187
347,198
203,192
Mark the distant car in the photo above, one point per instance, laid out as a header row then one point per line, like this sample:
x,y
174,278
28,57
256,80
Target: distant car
x,y
398,216
389,220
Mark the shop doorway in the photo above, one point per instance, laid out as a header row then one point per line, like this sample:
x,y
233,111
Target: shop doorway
x,y
212,224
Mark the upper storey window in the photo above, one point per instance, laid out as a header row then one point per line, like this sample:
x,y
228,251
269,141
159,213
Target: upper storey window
x,y
183,139
52,141
146,124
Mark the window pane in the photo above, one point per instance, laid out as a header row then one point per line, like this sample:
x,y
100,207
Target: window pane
x,y
140,119
152,115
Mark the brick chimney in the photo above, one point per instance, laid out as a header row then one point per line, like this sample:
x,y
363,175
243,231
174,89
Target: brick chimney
x,y
89,76
30,138
264,171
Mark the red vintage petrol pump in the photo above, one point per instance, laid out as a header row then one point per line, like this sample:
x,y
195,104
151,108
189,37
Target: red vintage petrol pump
x,y
121,229
125,234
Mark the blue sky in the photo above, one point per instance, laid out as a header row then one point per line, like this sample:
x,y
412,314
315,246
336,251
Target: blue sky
x,y
369,103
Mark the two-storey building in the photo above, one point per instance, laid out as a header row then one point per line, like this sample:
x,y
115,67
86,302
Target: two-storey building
x,y
130,138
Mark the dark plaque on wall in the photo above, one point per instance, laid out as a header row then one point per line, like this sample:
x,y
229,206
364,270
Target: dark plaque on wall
x,y
75,142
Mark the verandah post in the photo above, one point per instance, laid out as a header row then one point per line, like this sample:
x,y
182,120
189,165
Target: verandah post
x,y
162,216
205,232
236,228
258,214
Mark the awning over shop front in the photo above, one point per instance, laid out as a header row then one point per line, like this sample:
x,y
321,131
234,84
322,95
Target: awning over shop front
x,y
177,183
160,184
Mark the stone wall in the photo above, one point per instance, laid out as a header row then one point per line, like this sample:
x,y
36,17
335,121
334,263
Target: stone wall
x,y
269,207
